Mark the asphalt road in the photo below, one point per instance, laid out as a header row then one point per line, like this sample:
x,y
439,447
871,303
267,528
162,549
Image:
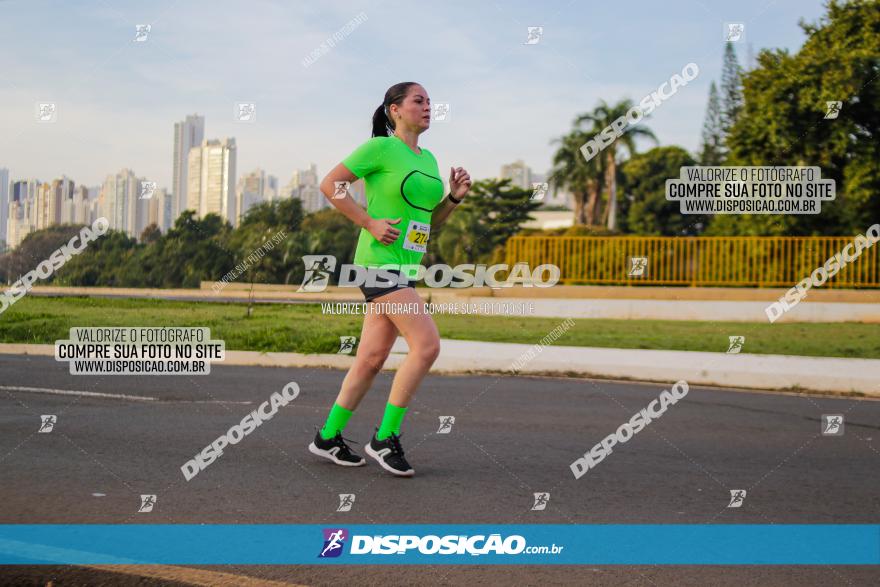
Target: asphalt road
x,y
512,437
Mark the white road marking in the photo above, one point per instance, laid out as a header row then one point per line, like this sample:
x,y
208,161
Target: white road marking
x,y
141,398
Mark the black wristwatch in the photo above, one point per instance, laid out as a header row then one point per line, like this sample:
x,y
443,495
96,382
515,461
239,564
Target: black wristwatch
x,y
454,201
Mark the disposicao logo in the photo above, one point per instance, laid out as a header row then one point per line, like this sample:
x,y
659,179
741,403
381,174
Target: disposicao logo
x,y
334,541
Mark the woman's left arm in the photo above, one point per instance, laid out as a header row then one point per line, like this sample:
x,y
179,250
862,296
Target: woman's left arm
x,y
459,185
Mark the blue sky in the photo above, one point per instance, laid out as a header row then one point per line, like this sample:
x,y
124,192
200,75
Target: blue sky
x,y
118,100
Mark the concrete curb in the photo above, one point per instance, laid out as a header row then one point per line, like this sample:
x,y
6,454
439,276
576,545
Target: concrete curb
x,y
765,372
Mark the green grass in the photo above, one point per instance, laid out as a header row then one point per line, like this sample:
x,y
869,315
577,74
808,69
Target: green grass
x,y
303,328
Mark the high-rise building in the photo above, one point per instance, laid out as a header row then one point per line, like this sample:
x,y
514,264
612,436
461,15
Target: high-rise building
x,y
303,177
187,134
22,210
303,185
253,188
17,225
300,177
44,208
165,209
519,174
80,206
211,170
61,201
95,204
143,209
120,203
155,208
311,197
270,189
4,204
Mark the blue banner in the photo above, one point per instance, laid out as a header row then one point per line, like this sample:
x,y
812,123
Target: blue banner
x,y
519,544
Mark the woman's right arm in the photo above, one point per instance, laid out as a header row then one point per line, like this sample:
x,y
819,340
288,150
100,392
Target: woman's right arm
x,y
382,229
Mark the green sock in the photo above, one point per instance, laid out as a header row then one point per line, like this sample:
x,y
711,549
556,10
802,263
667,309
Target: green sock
x,y
336,421
391,421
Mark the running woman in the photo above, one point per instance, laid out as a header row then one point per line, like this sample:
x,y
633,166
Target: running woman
x,y
404,203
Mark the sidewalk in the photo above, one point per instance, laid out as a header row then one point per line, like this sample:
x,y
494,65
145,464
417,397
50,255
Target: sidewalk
x,y
565,301
769,372
558,292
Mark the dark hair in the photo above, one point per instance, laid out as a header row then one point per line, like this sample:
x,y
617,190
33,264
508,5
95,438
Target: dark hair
x,y
383,126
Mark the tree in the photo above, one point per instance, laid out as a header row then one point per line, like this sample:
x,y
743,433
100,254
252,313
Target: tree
x,y
35,248
329,232
573,172
601,117
282,263
458,241
783,122
492,212
150,234
712,150
103,263
286,214
644,208
194,250
731,90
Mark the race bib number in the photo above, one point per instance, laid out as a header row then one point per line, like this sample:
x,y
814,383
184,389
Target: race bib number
x,y
417,236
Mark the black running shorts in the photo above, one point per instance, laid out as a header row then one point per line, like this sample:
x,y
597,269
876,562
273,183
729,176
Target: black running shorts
x,y
371,293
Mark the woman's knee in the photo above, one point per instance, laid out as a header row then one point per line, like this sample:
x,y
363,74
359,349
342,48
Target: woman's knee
x,y
372,361
427,350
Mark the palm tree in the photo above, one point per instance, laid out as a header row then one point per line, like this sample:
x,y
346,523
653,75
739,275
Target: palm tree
x,y
601,117
571,171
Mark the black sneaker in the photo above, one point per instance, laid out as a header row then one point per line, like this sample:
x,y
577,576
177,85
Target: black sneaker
x,y
389,454
336,450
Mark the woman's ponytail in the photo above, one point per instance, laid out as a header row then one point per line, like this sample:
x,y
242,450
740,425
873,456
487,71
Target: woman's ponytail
x,y
383,125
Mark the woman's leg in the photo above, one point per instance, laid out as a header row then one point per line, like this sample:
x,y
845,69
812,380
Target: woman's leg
x,y
423,339
421,335
377,337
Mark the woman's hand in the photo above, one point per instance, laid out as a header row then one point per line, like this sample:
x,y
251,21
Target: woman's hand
x,y
382,229
459,182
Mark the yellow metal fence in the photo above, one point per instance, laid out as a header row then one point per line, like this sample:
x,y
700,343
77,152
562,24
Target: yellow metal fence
x,y
700,261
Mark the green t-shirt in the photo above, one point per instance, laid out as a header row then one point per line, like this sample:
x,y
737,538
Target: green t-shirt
x,y
399,184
